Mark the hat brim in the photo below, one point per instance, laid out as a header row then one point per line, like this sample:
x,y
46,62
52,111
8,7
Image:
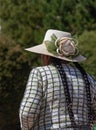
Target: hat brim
x,y
41,49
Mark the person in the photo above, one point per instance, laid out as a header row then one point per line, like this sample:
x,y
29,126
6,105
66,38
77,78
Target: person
x,y
60,94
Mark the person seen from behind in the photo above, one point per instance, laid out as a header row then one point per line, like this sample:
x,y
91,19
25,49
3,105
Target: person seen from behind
x,y
60,94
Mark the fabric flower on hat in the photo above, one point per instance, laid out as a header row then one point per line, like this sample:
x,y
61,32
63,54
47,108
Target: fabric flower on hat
x,y
63,47
66,46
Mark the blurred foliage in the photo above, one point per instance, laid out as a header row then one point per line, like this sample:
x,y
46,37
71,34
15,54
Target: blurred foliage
x,y
70,15
22,20
14,70
26,20
88,46
23,24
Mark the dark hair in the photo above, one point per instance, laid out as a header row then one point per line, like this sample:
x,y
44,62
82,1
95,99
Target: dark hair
x,y
57,60
87,86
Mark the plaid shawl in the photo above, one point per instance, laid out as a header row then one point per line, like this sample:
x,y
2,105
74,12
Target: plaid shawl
x,y
44,107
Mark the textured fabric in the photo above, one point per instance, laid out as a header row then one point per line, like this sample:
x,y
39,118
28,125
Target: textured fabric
x,y
44,107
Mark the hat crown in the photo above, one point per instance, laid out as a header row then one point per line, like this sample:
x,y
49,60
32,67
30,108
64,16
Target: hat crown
x,y
58,34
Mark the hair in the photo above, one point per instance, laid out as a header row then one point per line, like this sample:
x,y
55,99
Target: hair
x,y
86,80
57,60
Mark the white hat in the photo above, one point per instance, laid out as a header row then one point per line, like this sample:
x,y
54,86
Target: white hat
x,y
58,44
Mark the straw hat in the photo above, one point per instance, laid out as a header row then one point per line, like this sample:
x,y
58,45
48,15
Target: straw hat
x,y
59,44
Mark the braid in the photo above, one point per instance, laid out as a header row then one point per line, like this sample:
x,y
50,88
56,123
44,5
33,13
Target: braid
x,y
58,65
88,93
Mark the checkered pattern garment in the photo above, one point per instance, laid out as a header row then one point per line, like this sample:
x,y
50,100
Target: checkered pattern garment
x,y
43,106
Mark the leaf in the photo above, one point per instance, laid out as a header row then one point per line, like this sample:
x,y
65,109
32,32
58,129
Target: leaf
x,y
53,37
51,47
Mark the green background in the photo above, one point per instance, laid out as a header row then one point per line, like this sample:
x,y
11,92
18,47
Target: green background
x,y
23,24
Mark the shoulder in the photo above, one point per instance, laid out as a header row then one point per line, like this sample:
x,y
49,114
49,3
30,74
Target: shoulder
x,y
44,71
92,80
44,68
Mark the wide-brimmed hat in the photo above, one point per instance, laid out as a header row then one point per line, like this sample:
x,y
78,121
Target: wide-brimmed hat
x,y
59,44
